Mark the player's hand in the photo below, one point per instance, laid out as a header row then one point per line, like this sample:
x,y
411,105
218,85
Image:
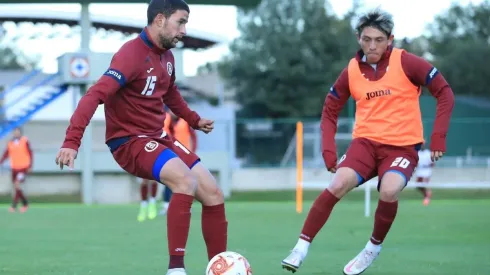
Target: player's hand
x,y
436,155
330,160
66,157
206,125
437,146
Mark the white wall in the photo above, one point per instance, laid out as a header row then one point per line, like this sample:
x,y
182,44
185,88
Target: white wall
x,y
285,178
114,187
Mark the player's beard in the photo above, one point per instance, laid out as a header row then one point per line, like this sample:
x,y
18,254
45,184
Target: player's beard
x,y
166,42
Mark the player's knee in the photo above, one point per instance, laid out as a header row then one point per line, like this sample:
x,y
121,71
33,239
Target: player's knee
x,y
345,179
391,185
215,196
388,195
185,184
208,191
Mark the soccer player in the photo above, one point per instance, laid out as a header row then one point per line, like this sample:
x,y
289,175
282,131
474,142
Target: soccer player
x,y
148,206
180,130
386,83
20,154
139,81
423,174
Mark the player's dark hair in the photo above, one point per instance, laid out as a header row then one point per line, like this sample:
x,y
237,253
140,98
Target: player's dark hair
x,y
165,7
377,19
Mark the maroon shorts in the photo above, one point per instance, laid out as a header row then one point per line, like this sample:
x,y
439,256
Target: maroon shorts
x,y
19,175
370,159
144,157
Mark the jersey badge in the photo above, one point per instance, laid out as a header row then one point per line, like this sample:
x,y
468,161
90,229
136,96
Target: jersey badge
x,y
169,68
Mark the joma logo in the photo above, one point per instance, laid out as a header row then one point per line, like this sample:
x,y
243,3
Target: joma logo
x,y
377,94
114,73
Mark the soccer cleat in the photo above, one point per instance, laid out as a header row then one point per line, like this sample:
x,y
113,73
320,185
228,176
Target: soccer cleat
x,y
11,209
293,261
361,262
143,213
24,208
152,211
176,271
427,197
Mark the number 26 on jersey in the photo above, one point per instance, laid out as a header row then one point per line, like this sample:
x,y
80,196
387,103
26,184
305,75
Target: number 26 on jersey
x,y
150,85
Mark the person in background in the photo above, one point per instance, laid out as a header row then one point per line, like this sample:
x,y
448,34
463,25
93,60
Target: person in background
x,y
148,205
423,173
20,154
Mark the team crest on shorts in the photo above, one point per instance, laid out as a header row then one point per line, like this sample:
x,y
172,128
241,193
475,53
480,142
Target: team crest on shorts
x,y
151,146
169,68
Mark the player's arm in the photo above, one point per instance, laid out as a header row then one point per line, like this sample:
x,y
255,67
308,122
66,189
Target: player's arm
x,y
422,73
31,155
334,102
121,70
5,156
174,100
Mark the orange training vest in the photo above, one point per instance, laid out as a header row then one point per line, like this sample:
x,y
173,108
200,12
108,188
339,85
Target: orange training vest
x,y
182,133
166,123
387,110
19,154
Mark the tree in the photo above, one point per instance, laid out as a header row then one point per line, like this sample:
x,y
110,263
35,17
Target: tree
x,y
459,41
288,55
11,60
418,46
11,57
465,67
460,24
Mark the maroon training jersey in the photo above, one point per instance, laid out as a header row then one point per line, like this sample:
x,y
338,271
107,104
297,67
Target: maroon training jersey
x,y
139,81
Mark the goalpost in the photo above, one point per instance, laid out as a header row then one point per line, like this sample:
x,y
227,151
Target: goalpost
x,y
369,185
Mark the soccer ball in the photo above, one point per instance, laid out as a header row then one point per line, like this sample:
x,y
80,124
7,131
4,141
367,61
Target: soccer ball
x,y
228,263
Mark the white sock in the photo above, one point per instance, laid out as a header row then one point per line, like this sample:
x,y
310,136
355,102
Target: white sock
x,y
176,269
302,246
165,205
376,248
152,200
144,204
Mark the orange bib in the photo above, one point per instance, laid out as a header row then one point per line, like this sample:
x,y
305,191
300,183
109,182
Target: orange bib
x,y
387,110
182,133
166,123
19,154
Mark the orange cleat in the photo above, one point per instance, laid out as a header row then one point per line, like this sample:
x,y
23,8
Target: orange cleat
x,y
427,197
24,209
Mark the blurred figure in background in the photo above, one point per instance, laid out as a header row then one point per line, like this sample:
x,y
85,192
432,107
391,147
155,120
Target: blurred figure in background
x,y
179,130
148,206
423,173
20,154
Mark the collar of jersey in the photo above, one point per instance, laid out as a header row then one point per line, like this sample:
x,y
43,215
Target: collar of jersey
x,y
145,36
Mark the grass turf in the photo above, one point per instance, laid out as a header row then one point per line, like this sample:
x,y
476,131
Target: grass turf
x,y
448,237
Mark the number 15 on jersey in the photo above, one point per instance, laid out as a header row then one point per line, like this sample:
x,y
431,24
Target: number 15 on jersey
x,y
150,85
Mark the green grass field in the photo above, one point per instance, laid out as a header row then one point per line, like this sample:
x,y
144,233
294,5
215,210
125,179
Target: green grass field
x,y
449,237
